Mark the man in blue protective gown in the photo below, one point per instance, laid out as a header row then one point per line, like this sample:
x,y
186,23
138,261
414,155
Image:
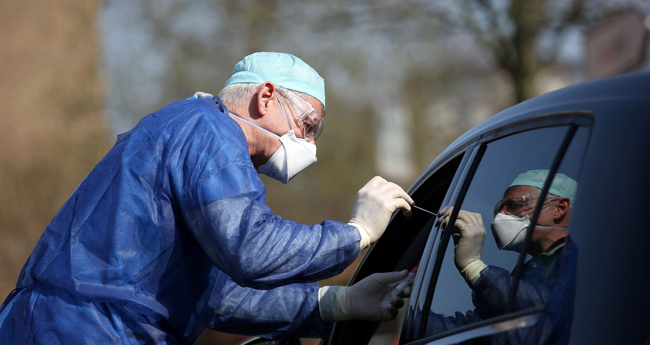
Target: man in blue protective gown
x,y
170,232
547,280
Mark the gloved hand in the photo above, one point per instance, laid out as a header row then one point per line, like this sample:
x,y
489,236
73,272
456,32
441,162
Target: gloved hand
x,y
375,204
361,300
468,234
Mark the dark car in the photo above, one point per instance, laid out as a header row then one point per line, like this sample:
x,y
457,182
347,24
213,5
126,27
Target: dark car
x,y
598,134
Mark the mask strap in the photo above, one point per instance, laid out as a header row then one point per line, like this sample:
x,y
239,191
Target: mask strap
x,y
254,125
550,227
284,112
264,129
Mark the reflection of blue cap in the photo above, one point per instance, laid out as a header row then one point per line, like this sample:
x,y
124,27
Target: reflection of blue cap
x,y
562,185
281,69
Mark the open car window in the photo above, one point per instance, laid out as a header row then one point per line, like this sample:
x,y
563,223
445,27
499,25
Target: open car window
x,y
507,283
401,247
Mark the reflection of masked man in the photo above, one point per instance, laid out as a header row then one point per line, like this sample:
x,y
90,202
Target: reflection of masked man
x,y
547,279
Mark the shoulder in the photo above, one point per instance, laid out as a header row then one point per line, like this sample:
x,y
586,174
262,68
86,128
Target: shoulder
x,y
193,132
202,141
197,120
197,111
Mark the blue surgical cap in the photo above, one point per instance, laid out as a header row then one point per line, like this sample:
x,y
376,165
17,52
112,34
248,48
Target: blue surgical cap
x,y
281,69
562,185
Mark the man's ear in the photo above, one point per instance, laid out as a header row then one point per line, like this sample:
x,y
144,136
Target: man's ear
x,y
266,96
562,207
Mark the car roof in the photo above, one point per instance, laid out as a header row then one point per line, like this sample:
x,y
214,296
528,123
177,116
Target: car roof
x,y
588,96
606,99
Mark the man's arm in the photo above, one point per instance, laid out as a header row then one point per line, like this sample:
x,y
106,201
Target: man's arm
x,y
492,289
304,310
261,250
289,311
490,293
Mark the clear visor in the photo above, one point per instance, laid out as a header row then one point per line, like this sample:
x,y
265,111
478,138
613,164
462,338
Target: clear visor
x,y
513,204
310,121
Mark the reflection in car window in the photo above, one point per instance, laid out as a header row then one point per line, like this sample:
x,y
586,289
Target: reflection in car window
x,y
400,248
489,233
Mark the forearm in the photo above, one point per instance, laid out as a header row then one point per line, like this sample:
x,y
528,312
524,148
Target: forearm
x,y
286,312
492,291
260,250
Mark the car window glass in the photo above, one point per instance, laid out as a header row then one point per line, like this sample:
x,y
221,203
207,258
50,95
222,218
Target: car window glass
x,y
429,196
400,248
531,326
454,303
389,331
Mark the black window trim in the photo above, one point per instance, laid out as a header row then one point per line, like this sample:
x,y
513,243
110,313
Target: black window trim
x,y
431,247
485,323
457,199
397,221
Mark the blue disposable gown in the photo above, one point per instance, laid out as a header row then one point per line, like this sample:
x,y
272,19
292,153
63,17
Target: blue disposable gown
x,y
546,281
169,234
289,311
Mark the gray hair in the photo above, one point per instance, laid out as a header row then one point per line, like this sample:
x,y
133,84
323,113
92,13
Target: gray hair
x,y
239,95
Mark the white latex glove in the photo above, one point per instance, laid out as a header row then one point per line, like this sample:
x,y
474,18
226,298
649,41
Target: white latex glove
x,y
361,300
375,204
469,236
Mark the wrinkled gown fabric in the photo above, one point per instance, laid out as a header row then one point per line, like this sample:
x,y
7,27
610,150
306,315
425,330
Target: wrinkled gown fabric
x,y
547,281
169,234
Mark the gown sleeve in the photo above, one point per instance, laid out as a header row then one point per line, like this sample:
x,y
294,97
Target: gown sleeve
x,y
222,199
289,311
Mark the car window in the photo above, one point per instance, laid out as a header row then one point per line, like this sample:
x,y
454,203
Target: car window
x,y
471,294
400,247
428,196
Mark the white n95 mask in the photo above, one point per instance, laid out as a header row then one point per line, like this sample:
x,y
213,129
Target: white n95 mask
x,y
292,157
510,231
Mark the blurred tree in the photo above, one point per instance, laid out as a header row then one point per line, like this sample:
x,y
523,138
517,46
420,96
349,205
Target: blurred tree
x,y
51,116
522,37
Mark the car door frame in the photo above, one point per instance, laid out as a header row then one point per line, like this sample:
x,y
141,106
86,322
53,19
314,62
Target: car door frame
x,y
471,150
413,330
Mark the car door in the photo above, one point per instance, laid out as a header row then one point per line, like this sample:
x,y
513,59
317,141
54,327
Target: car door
x,y
469,176
402,247
508,307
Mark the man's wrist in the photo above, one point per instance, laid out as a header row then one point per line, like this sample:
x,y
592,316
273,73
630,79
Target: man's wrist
x,y
365,238
472,272
332,303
